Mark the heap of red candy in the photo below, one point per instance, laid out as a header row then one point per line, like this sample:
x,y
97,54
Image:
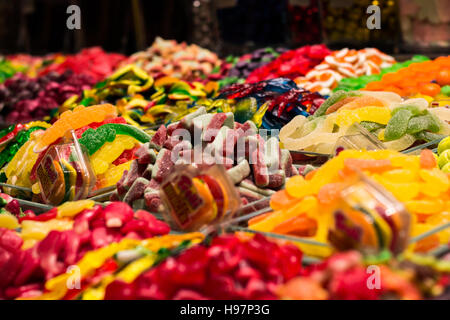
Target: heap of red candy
x,y
291,64
24,272
227,269
93,62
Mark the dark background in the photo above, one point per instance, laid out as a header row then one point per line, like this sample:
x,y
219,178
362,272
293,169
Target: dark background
x,y
225,26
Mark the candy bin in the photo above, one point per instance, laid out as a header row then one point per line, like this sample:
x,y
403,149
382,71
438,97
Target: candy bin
x,y
369,219
195,197
64,172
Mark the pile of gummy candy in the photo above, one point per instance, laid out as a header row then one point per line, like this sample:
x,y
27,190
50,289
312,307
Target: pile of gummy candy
x,y
176,174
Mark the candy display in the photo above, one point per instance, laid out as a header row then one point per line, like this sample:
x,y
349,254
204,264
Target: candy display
x,y
342,64
177,173
396,123
178,60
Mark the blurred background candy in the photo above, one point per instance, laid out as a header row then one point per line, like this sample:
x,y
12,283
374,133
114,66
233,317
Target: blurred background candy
x,y
23,98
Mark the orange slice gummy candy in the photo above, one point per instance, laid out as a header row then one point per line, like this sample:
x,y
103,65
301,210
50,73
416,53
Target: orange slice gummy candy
x,y
281,200
364,101
78,118
427,159
368,164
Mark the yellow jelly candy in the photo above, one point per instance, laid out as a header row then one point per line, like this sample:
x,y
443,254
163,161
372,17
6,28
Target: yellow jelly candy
x,y
298,187
269,223
401,191
425,206
128,274
35,188
19,168
72,208
109,152
29,243
406,162
8,221
113,175
435,177
430,190
380,135
38,230
400,175
379,115
439,219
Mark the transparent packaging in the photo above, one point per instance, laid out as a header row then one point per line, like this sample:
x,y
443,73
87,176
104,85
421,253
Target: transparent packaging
x,y
64,173
369,219
196,197
358,138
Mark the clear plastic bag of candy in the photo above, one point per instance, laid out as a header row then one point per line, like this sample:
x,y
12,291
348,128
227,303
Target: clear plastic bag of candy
x,y
358,138
196,197
64,173
369,219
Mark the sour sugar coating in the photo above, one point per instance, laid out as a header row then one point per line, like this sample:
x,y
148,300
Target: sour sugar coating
x,y
396,123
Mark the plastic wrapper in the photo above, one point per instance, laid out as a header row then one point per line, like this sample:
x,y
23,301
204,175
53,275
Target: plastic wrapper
x,y
358,138
195,197
369,219
65,173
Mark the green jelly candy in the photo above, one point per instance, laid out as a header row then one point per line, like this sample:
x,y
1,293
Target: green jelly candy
x,y
443,145
94,139
397,125
427,136
7,130
371,126
335,97
446,168
444,158
445,90
245,109
422,123
415,110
